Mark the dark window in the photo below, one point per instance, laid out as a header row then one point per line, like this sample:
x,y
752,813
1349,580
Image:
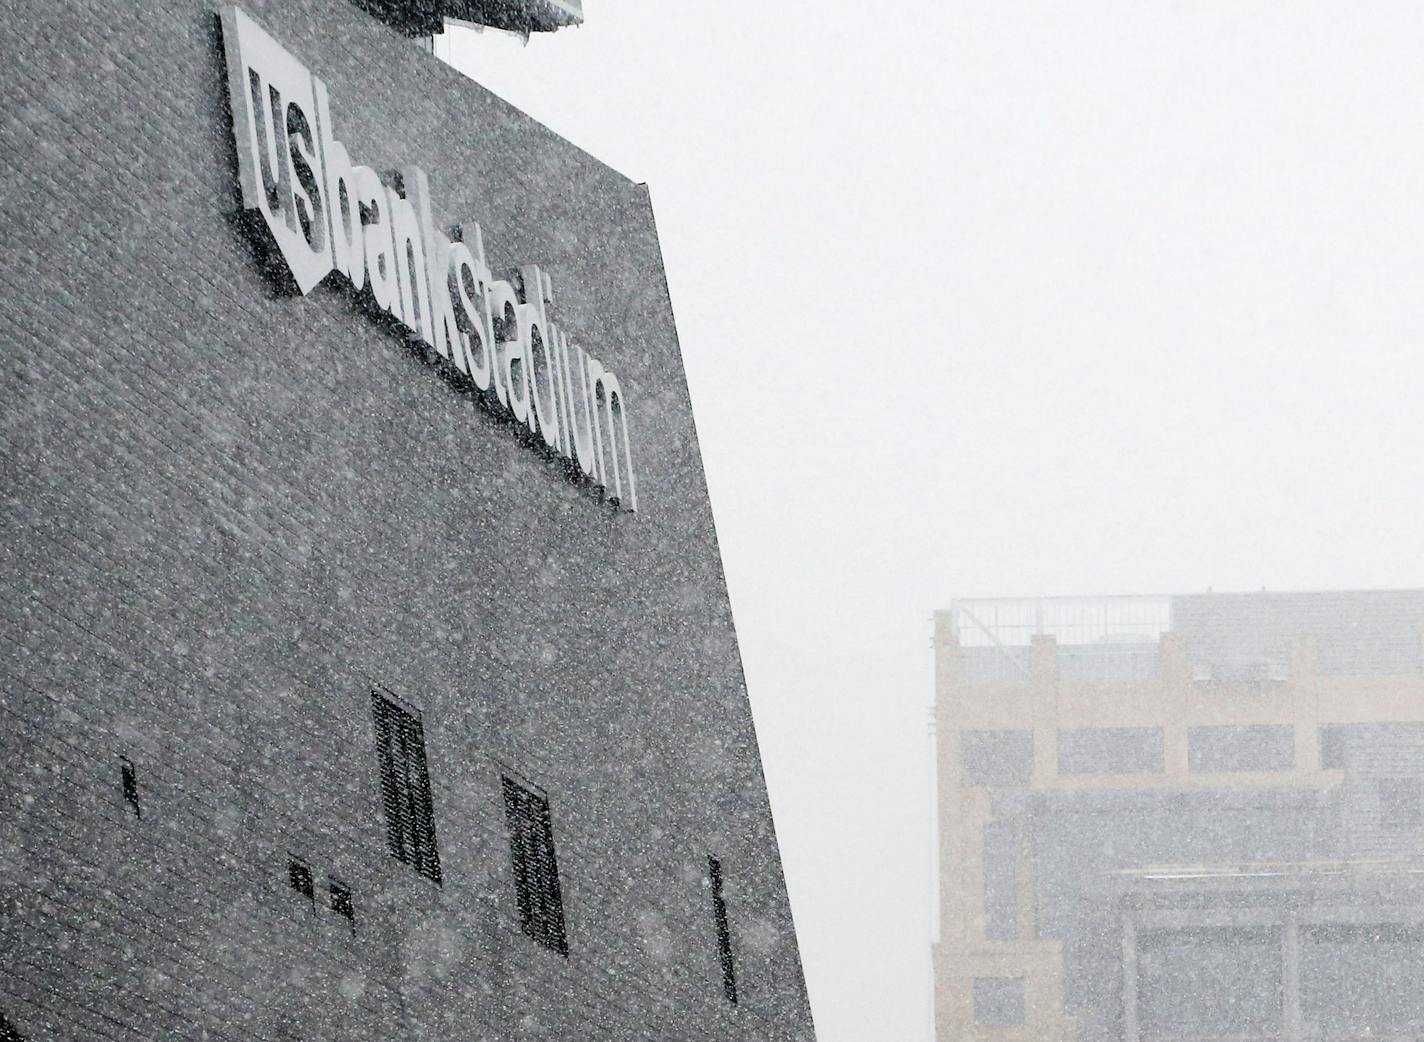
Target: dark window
x,y
405,786
1217,982
998,1002
996,757
1227,747
130,783
1364,742
1401,803
724,934
1362,981
536,871
299,878
341,900
1332,746
1110,750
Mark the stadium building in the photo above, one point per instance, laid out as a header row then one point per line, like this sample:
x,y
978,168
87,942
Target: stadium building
x,y
1181,818
368,667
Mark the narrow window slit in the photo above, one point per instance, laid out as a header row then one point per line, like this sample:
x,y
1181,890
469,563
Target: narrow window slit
x,y
129,775
724,933
299,878
536,869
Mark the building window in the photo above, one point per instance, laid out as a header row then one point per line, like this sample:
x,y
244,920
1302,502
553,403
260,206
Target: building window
x,y
1215,982
129,779
724,934
1401,803
536,871
1333,739
1111,750
341,900
1364,742
1226,747
998,758
299,878
999,1002
405,785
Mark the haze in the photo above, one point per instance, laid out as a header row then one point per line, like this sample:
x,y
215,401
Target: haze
x,y
1004,299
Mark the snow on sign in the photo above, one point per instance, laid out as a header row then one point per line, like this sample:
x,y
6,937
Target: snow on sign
x,y
326,215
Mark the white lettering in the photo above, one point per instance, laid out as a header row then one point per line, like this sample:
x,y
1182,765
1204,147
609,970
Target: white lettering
x,y
376,239
348,251
468,282
271,97
320,213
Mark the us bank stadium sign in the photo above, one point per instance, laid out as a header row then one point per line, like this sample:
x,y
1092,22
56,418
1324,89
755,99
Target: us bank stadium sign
x,y
324,217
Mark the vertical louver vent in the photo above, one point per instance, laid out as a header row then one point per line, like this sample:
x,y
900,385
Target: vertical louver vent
x,y
536,872
724,935
405,785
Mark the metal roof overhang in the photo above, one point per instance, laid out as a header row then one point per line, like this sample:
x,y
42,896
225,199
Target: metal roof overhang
x,y
428,17
521,16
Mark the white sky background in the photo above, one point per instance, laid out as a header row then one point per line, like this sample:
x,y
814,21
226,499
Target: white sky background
x,y
1002,299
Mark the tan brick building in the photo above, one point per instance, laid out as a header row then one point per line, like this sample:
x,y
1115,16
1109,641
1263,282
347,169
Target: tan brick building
x,y
1181,817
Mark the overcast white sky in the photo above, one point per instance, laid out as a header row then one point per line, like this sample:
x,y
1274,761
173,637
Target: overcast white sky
x,y
1001,299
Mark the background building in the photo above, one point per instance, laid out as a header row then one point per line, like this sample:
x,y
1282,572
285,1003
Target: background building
x,y
333,707
1193,817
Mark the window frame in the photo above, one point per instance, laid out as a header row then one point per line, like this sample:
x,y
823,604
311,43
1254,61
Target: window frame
x,y
406,792
534,862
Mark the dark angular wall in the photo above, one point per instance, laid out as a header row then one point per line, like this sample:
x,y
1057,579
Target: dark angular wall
x,y
229,514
